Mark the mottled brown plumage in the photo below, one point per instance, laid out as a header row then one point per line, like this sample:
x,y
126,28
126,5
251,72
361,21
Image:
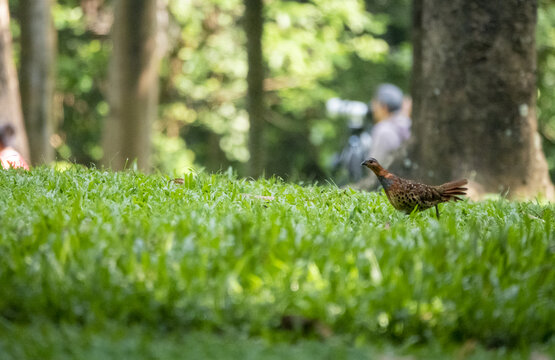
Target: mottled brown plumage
x,y
406,195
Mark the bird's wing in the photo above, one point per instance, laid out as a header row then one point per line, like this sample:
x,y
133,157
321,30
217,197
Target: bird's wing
x,y
423,195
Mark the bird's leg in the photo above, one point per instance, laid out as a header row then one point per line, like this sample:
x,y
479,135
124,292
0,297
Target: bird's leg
x,y
437,212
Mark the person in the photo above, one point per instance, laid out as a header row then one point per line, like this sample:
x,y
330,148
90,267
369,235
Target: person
x,y
9,157
390,112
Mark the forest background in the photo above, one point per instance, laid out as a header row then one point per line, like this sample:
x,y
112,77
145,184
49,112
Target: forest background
x,y
313,51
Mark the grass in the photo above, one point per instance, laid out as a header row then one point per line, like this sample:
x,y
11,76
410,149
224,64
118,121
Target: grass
x,y
88,247
44,340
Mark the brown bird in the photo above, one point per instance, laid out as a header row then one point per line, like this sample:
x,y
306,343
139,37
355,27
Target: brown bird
x,y
406,195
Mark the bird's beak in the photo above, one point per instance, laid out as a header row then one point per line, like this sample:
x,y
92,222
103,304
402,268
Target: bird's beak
x,y
363,163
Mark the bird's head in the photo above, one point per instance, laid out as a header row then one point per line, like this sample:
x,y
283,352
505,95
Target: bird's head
x,y
373,165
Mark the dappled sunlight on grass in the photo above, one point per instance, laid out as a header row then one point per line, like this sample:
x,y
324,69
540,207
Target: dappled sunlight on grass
x,y
87,246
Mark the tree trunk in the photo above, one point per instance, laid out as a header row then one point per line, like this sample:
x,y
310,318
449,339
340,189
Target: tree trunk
x,y
255,81
10,102
37,76
474,95
133,77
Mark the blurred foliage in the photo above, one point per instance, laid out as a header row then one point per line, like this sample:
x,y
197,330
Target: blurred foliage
x,y
309,46
171,154
314,50
546,79
82,70
80,100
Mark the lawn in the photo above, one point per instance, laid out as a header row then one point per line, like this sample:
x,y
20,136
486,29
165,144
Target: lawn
x,y
262,264
44,340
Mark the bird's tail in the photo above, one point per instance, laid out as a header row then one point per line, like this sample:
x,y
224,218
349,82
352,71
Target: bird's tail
x,y
450,190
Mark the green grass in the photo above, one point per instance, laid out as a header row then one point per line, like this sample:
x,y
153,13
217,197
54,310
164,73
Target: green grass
x,y
44,340
87,247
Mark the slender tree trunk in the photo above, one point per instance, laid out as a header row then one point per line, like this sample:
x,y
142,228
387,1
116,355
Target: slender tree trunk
x,y
474,95
37,76
10,102
255,80
133,93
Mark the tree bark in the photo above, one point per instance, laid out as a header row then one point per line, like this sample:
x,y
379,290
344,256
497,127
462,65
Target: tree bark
x,y
37,76
255,80
474,95
133,77
10,101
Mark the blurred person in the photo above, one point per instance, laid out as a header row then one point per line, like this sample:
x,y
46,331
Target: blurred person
x,y
9,157
390,113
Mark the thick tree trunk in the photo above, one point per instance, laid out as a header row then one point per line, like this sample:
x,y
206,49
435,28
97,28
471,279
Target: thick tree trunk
x,y
474,90
255,79
133,93
37,76
10,102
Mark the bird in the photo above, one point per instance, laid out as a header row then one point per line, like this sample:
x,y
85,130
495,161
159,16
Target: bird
x,y
406,195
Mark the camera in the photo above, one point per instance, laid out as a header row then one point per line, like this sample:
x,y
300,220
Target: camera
x,y
355,111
